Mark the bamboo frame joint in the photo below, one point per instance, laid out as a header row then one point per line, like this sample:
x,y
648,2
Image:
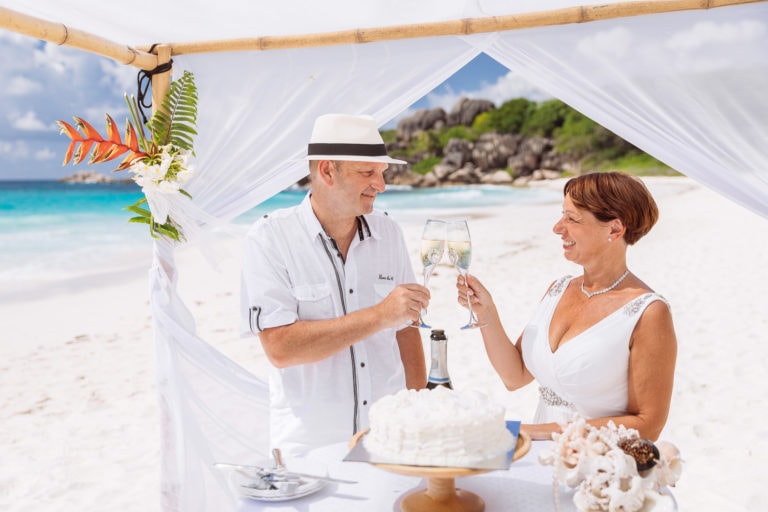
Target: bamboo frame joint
x,y
66,35
134,53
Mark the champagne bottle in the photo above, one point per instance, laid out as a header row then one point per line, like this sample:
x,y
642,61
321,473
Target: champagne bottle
x,y
438,369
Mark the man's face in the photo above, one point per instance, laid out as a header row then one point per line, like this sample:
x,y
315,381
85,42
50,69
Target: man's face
x,y
357,184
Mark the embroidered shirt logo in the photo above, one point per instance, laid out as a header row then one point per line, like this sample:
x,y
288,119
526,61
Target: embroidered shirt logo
x,y
382,277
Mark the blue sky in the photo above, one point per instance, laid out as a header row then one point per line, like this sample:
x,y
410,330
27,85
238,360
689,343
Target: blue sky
x,y
42,82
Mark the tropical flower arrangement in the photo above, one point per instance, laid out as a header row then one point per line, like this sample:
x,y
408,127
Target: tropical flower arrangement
x,y
613,468
159,160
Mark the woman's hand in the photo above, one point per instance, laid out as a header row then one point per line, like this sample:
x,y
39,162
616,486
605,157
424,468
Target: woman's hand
x,y
482,301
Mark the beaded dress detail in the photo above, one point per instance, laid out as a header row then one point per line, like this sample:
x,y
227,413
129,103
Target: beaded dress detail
x,y
588,374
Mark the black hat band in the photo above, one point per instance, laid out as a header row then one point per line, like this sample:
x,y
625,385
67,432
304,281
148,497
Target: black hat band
x,y
322,148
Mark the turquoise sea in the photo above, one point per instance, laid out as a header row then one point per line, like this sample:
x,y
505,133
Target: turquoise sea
x,y
54,229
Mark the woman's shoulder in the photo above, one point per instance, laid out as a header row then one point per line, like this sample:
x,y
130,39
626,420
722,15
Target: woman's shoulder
x,y
559,285
640,303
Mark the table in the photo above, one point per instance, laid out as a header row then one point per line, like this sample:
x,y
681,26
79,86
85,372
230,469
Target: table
x,y
525,487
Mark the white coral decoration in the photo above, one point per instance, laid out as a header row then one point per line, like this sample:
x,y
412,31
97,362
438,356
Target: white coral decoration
x,y
589,458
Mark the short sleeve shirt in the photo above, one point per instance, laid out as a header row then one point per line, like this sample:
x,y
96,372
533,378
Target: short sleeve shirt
x,y
292,271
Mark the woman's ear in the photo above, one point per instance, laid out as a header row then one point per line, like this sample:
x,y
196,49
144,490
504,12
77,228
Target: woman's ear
x,y
617,229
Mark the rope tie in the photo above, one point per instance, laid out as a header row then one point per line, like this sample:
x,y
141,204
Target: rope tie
x,y
144,81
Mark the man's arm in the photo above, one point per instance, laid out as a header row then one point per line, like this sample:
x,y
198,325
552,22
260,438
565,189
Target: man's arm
x,y
412,355
308,341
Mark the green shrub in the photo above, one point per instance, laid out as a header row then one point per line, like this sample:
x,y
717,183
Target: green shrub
x,y
545,118
456,132
511,115
426,165
483,123
389,136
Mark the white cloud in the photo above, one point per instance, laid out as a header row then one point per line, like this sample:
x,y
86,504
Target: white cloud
x,y
15,150
60,59
614,43
45,154
708,32
117,75
6,147
511,86
27,122
22,86
507,87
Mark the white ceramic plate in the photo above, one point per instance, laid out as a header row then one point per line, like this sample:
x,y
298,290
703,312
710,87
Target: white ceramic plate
x,y
306,486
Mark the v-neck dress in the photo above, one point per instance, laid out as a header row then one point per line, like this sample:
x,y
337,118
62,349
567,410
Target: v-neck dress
x,y
589,373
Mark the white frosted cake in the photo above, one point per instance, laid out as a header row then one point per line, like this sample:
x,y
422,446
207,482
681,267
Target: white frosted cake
x,y
438,427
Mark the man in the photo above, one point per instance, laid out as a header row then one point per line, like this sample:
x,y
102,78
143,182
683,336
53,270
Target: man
x,y
329,289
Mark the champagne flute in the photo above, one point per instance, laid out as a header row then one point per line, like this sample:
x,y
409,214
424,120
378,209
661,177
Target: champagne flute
x,y
432,248
460,254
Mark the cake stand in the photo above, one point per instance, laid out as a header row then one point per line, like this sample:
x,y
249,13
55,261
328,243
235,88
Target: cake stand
x,y
441,494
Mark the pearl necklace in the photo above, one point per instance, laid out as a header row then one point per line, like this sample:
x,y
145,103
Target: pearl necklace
x,y
604,290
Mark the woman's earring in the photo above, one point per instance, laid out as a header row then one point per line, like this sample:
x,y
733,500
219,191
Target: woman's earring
x,y
610,239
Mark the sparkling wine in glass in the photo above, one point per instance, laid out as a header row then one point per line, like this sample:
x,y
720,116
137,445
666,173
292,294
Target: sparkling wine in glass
x,y
432,248
460,254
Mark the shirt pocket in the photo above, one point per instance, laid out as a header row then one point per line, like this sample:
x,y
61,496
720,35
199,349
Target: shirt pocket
x,y
383,289
314,302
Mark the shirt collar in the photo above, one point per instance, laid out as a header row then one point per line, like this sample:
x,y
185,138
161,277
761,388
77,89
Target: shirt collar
x,y
364,230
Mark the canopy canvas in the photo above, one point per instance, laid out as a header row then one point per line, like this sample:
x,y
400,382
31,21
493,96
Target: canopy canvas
x,y
683,80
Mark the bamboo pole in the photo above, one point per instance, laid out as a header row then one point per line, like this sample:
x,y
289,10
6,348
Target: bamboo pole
x,y
60,34
569,15
139,57
161,82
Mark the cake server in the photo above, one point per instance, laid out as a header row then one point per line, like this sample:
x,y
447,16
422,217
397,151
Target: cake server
x,y
276,474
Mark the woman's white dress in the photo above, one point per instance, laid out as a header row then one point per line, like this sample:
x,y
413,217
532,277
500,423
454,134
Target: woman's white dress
x,y
588,374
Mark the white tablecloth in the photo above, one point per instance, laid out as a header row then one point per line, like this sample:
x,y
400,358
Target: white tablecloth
x,y
525,487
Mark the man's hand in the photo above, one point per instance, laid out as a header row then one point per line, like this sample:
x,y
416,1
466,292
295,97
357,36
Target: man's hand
x,y
403,304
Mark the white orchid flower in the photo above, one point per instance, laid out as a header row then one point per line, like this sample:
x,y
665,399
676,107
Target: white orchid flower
x,y
168,187
146,183
184,176
165,163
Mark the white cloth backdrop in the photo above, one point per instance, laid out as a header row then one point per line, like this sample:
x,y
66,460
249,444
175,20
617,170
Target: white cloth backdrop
x,y
697,103
637,77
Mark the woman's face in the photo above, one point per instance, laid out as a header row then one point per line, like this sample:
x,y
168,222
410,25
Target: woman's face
x,y
584,237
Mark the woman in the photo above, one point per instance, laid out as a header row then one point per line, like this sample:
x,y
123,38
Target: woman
x,y
601,344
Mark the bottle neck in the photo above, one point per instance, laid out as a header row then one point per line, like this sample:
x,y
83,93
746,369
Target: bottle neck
x,y
438,369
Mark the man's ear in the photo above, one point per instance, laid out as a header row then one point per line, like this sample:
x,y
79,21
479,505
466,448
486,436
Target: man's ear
x,y
326,171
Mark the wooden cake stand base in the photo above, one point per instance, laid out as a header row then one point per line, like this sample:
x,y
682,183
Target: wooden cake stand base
x,y
441,494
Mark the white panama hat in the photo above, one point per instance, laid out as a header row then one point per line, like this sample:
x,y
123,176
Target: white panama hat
x,y
349,138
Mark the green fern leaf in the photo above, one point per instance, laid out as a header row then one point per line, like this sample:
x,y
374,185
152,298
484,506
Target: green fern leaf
x,y
175,122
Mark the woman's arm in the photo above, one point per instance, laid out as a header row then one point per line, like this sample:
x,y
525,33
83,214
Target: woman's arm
x,y
505,356
652,359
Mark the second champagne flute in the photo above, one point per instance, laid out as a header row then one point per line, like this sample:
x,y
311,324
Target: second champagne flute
x,y
460,254
432,248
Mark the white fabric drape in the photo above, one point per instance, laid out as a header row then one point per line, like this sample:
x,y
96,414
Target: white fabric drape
x,y
642,77
701,109
254,126
686,116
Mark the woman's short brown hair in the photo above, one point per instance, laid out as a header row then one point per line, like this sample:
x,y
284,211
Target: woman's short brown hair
x,y
615,195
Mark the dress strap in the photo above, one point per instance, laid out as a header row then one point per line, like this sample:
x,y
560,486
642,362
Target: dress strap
x,y
640,303
559,285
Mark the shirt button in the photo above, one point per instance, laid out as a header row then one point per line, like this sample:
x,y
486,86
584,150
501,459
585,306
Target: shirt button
x,y
362,365
365,402
351,290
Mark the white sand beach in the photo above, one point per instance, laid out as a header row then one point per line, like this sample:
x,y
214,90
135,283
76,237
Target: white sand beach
x,y
79,426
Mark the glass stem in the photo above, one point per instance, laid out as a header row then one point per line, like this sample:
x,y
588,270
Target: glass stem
x,y
472,319
427,273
